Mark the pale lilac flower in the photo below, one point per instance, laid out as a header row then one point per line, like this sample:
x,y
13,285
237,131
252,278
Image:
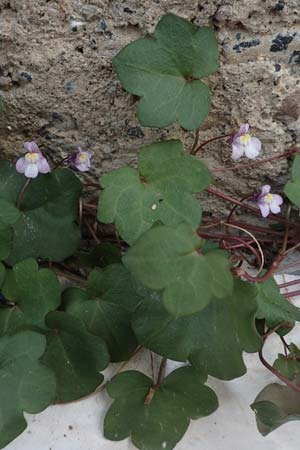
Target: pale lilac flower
x,y
244,144
268,202
33,162
81,160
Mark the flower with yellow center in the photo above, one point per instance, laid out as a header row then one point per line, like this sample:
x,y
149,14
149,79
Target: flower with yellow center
x,y
268,198
244,144
32,158
33,162
83,157
268,202
80,160
245,139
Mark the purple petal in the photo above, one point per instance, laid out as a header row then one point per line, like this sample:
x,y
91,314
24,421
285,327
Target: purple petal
x,y
264,209
43,165
253,148
84,167
237,151
21,165
275,208
277,199
243,129
31,147
257,143
31,171
265,189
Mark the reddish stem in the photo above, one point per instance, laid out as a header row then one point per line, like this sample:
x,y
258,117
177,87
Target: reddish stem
x,y
218,236
291,294
288,283
256,211
278,374
247,245
288,266
22,192
260,161
223,136
248,226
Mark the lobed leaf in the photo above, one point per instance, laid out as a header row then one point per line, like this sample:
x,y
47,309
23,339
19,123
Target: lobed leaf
x,y
46,227
288,366
25,384
106,308
160,190
274,406
75,356
31,293
213,339
161,424
169,259
165,71
272,306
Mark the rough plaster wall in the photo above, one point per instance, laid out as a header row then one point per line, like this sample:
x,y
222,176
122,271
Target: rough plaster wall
x,y
59,88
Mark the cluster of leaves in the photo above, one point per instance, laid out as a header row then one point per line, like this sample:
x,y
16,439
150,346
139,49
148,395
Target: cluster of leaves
x,y
170,292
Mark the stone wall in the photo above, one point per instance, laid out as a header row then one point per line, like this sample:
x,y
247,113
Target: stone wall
x,y
59,89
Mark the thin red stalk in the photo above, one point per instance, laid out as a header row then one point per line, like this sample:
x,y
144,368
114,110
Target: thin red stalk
x,y
247,245
288,266
278,374
22,192
285,345
256,211
223,136
278,258
291,294
218,236
161,373
237,246
197,135
248,226
60,162
258,162
288,283
246,197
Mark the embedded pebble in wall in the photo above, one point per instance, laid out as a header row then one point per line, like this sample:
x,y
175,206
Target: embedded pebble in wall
x,y
26,76
281,42
135,132
77,25
246,44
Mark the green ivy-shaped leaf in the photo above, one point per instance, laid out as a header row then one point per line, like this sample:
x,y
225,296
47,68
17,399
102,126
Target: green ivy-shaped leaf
x,y
161,424
272,306
213,339
31,293
165,71
160,190
288,366
46,227
25,384
292,188
9,215
75,356
111,298
170,259
275,406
